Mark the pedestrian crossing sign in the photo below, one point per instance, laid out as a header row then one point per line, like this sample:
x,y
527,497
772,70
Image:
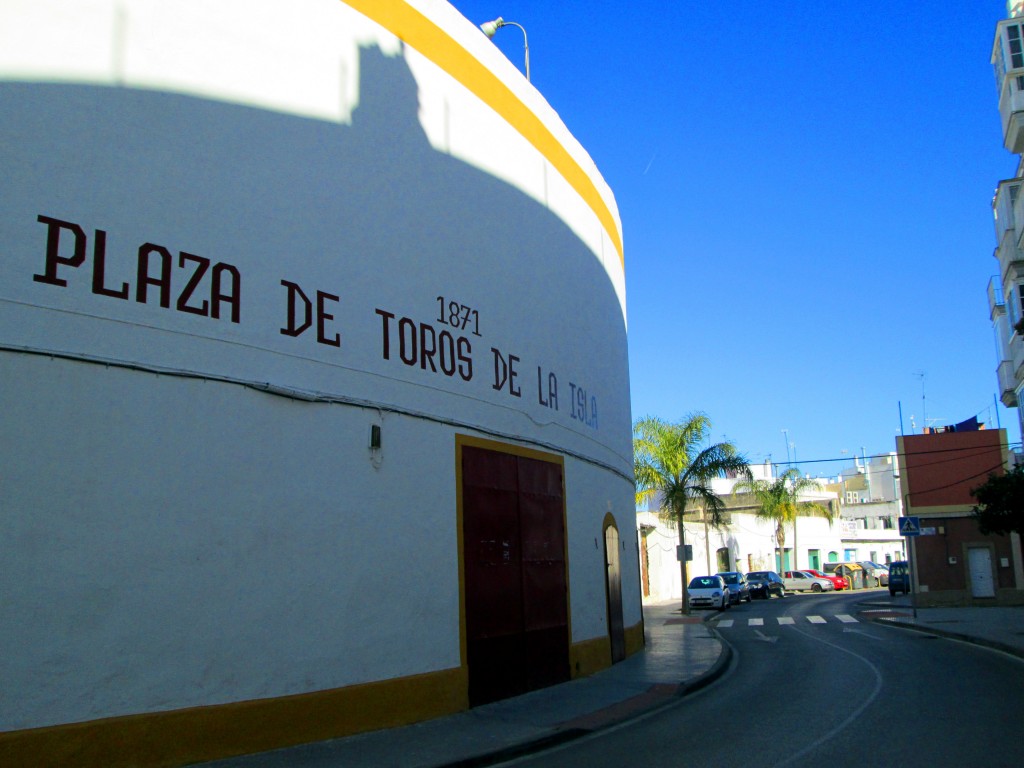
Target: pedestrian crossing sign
x,y
910,526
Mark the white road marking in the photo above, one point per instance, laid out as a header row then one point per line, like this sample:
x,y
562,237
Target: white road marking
x,y
846,618
755,622
786,620
725,623
762,636
815,619
860,632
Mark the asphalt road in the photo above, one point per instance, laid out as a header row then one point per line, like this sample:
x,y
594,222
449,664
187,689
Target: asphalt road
x,y
827,690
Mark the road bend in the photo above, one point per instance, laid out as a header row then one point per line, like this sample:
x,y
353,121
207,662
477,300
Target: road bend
x,y
812,684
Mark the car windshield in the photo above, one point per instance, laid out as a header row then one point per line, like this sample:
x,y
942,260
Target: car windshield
x,y
703,582
730,578
757,576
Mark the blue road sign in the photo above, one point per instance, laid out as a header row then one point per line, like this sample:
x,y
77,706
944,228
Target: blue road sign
x,y
910,526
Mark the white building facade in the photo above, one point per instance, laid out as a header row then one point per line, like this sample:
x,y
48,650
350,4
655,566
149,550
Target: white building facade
x,y
1006,287
859,531
313,342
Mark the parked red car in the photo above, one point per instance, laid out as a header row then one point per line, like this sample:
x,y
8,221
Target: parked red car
x,y
839,581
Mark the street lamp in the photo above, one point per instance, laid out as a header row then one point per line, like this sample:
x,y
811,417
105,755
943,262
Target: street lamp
x,y
490,27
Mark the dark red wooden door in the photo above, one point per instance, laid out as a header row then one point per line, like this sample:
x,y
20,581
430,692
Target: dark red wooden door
x,y
517,627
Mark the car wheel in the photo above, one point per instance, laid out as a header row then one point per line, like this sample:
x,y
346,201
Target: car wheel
x,y
816,588
892,593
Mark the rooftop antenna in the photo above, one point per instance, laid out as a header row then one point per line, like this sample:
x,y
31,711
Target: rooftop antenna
x,y
924,409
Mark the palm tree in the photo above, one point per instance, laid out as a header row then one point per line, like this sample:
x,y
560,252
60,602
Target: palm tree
x,y
778,501
668,462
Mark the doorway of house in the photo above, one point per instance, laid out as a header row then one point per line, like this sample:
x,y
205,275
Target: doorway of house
x,y
516,588
722,558
613,592
979,564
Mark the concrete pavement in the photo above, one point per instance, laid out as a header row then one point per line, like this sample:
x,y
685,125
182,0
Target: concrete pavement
x,y
682,654
998,627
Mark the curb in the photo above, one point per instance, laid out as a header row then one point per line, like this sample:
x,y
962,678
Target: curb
x,y
983,642
560,736
716,671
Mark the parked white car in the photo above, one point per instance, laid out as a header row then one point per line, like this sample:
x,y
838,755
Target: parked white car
x,y
708,592
802,581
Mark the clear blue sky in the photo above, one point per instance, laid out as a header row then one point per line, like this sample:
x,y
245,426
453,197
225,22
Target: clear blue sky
x,y
805,194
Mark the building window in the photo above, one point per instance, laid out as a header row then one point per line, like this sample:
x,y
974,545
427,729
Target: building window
x,y
1013,40
1015,305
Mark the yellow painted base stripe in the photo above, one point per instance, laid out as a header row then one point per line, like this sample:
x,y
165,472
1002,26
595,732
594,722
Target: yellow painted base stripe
x,y
635,638
590,656
184,736
197,734
419,32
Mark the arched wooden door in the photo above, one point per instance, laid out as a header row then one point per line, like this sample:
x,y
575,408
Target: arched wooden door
x,y
613,590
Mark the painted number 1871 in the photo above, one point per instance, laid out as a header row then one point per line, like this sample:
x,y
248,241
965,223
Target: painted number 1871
x,y
458,315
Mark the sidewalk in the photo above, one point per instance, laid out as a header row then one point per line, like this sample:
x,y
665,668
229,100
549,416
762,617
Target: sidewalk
x,y
998,627
682,654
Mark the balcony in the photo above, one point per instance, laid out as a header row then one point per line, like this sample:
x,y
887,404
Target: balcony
x,y
996,303
1004,215
1008,61
1011,109
1007,384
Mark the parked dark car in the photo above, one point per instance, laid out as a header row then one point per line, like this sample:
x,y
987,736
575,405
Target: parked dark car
x,y
739,590
765,584
899,577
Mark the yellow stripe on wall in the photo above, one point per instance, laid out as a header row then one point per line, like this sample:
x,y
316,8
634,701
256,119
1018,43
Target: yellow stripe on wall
x,y
185,736
415,29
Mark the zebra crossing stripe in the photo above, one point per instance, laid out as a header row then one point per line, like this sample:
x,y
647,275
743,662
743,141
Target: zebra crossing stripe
x,y
845,618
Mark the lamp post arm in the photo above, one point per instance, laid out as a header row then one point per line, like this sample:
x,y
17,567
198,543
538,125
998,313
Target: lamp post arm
x,y
490,27
526,44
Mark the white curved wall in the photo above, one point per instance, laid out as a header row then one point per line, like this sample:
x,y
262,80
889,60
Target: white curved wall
x,y
188,490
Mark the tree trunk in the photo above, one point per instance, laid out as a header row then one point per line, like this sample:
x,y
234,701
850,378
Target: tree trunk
x,y
707,545
682,565
796,550
780,538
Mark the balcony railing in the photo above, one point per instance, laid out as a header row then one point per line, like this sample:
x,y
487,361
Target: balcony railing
x,y
1007,384
995,296
1004,209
